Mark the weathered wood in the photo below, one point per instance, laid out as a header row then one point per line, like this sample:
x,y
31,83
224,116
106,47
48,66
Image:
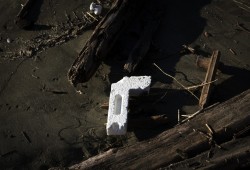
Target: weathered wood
x,y
181,142
211,72
103,39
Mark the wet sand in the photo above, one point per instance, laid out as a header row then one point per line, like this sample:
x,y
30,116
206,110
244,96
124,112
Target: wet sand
x,y
45,122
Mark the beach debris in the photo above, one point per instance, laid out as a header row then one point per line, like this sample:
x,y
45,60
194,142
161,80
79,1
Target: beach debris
x,y
202,62
242,27
105,105
179,116
147,122
207,34
103,39
232,51
8,40
118,102
141,48
95,8
21,19
8,153
188,48
168,75
89,14
177,141
210,76
26,136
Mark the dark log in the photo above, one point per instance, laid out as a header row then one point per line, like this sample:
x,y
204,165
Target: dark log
x,y
181,142
103,39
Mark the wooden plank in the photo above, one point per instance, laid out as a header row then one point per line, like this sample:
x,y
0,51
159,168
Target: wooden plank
x,y
211,72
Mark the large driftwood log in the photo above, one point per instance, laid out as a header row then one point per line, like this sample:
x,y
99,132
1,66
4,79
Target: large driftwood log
x,y
103,38
182,142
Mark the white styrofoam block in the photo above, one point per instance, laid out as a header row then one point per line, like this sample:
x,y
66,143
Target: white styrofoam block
x,y
118,101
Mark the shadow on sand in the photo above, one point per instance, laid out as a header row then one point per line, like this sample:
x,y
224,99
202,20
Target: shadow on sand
x,y
181,24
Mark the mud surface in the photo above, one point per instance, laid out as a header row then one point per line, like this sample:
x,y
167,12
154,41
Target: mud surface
x,y
46,122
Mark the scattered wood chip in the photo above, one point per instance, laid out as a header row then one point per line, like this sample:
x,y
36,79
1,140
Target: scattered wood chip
x,y
105,105
188,48
206,34
232,51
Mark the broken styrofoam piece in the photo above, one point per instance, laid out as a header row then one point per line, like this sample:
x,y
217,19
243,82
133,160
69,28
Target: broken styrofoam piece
x,y
118,101
96,8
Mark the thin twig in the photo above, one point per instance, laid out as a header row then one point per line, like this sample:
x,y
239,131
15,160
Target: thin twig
x,y
92,16
162,97
242,27
210,129
176,81
200,85
197,112
179,116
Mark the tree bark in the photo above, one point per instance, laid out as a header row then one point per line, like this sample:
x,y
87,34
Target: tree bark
x,y
181,142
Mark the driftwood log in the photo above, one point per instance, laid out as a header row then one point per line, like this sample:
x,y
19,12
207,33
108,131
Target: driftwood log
x,y
208,130
103,39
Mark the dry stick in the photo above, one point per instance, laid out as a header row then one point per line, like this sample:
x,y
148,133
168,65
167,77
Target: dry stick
x,y
176,81
198,112
210,129
179,116
200,85
91,16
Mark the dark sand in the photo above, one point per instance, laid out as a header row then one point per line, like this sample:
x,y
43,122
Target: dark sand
x,y
45,122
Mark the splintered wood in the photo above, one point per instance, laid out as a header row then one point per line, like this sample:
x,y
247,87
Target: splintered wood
x,y
212,68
